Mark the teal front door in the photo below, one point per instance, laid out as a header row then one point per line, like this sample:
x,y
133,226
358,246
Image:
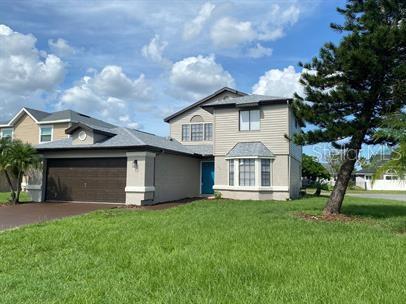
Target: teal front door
x,y
207,177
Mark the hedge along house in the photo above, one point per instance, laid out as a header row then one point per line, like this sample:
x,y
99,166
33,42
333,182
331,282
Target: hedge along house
x,y
237,144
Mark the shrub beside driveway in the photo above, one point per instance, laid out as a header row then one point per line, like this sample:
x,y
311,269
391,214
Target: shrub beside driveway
x,y
5,196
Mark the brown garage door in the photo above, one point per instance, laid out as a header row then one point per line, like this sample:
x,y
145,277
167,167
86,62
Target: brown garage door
x,y
87,180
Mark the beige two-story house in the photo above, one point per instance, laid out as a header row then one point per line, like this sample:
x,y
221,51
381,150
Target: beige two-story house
x,y
237,144
250,140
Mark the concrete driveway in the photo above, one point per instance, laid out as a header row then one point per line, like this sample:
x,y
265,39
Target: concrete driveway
x,y
14,216
386,196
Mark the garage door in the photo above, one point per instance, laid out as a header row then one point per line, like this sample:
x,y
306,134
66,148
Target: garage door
x,y
87,180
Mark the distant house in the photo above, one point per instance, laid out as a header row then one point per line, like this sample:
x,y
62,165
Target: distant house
x,y
387,181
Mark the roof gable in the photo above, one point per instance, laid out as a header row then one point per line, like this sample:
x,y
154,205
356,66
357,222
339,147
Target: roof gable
x,y
201,101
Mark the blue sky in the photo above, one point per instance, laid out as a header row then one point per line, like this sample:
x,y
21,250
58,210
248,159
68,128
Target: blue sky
x,y
134,62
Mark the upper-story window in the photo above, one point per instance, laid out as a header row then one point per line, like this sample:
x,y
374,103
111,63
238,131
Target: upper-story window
x,y
45,134
7,132
197,132
249,120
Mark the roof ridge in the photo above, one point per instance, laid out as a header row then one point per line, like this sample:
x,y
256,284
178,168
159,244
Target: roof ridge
x,y
128,131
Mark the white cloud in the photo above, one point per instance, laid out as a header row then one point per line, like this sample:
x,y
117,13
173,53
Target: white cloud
x,y
26,72
193,28
110,94
61,47
277,82
195,77
259,51
229,32
153,51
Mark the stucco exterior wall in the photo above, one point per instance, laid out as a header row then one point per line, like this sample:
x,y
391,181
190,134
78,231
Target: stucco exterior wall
x,y
295,177
176,177
295,150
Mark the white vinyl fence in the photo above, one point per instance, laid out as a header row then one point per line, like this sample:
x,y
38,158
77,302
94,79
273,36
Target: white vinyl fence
x,y
382,184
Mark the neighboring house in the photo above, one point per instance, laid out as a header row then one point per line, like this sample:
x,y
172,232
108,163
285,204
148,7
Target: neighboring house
x,y
37,127
387,181
237,144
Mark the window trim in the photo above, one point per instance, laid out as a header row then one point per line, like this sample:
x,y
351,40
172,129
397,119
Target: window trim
x,y
231,163
249,122
261,174
9,128
188,138
40,133
258,177
203,133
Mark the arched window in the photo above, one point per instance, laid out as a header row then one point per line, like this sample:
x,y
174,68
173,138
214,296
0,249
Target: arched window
x,y
196,118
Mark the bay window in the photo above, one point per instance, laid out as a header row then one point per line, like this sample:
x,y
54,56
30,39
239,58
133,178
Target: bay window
x,y
250,172
231,172
250,120
247,172
265,172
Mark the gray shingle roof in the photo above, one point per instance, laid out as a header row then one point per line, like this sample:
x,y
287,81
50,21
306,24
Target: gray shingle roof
x,y
245,149
38,115
204,150
201,101
124,138
78,117
244,100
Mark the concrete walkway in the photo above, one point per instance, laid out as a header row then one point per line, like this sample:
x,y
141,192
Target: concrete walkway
x,y
29,213
386,196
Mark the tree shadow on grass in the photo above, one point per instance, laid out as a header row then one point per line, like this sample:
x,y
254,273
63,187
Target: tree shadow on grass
x,y
375,211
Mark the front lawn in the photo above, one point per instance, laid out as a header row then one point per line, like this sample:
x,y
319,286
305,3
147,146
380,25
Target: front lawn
x,y
5,196
211,252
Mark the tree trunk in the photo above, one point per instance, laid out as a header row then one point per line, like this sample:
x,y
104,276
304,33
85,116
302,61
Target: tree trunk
x,y
19,181
336,198
10,184
318,191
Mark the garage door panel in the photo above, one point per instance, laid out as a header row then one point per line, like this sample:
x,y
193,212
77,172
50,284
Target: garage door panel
x,y
96,180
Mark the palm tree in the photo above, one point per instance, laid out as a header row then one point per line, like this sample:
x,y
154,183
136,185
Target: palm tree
x,y
393,128
22,157
5,166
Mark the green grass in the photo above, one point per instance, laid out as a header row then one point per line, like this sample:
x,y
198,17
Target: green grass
x,y
4,197
377,191
210,252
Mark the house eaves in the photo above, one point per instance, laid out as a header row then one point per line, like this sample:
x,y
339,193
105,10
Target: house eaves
x,y
225,89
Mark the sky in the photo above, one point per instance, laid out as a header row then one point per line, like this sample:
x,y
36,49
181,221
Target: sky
x,y
132,63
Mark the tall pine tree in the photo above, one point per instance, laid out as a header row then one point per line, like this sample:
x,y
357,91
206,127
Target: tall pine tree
x,y
354,84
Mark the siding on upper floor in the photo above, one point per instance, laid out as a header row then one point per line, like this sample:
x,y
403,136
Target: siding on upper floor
x,y
273,128
176,123
27,130
59,131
